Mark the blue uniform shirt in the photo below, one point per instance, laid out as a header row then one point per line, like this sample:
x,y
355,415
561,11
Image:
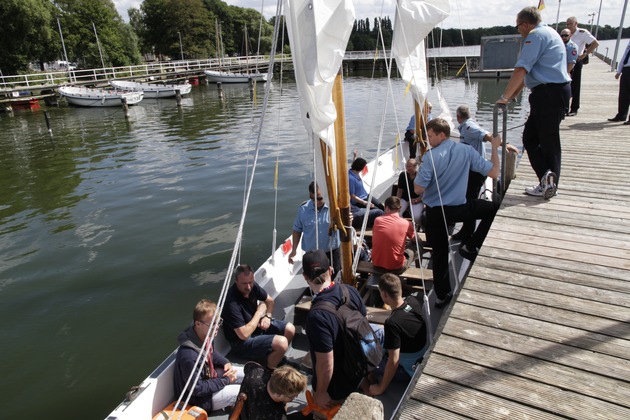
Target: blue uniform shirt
x,y
452,162
543,56
355,185
412,123
471,134
305,224
572,54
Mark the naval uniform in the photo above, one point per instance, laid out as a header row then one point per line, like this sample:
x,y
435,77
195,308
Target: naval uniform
x,y
572,56
624,85
543,56
581,37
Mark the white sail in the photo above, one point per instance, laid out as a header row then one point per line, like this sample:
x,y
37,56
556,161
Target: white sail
x,y
318,34
414,21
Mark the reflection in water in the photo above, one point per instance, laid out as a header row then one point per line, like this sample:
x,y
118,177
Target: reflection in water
x,y
112,230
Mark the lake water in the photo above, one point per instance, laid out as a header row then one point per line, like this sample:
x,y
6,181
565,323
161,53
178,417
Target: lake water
x,y
607,48
111,231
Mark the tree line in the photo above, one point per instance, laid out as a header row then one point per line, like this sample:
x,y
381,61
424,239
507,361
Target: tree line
x,y
160,29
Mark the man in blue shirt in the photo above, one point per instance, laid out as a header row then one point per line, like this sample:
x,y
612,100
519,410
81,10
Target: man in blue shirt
x,y
572,54
542,68
443,179
623,72
316,235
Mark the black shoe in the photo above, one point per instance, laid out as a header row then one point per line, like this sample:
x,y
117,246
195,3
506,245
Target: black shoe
x,y
627,123
461,236
294,365
468,253
440,303
572,114
615,119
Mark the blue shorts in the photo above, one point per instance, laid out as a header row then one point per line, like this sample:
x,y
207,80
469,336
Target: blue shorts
x,y
258,345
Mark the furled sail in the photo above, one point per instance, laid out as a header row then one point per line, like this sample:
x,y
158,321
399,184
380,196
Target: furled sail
x,y
414,21
318,34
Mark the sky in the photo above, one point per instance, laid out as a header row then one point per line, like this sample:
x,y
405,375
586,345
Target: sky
x,y
465,14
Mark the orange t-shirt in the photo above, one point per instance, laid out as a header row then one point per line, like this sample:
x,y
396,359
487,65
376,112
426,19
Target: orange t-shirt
x,y
389,236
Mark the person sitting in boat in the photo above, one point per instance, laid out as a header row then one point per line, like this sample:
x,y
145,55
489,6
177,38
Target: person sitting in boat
x,y
330,384
407,194
359,205
217,387
405,334
389,239
313,238
249,326
410,132
268,392
452,161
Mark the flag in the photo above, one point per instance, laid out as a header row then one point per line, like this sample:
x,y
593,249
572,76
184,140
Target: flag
x,y
541,4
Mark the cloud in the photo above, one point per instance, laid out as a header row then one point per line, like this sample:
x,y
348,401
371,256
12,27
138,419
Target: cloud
x,y
465,14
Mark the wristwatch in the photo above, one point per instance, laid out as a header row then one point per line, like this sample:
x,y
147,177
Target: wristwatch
x,y
268,315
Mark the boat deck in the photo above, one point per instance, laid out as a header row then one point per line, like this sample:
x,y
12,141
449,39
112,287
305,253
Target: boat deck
x,y
541,327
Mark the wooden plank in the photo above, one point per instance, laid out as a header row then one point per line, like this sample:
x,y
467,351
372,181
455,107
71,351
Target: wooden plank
x,y
525,321
536,370
469,402
563,402
374,315
602,364
420,411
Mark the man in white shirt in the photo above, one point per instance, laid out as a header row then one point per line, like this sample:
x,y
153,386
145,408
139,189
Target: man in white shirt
x,y
581,37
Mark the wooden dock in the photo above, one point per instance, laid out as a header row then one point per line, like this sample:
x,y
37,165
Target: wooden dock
x,y
541,327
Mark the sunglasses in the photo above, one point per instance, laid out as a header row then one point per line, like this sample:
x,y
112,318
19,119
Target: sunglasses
x,y
565,36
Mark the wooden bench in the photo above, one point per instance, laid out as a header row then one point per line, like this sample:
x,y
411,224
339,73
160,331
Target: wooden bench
x,y
410,276
374,315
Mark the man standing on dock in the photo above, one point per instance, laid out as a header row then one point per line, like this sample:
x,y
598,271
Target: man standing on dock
x,y
623,71
542,68
586,44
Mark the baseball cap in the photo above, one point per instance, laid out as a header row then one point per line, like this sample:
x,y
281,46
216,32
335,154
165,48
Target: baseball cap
x,y
315,263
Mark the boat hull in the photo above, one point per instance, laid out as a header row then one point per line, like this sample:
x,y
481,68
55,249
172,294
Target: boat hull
x,y
214,76
86,97
152,90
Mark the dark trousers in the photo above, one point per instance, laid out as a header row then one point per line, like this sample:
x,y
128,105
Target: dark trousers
x,y
437,235
334,257
475,182
541,135
411,139
624,94
576,83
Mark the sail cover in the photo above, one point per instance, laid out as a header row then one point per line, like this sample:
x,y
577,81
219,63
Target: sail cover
x,y
414,21
318,33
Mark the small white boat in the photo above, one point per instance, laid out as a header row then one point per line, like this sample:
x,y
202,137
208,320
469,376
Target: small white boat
x,y
152,90
82,96
215,76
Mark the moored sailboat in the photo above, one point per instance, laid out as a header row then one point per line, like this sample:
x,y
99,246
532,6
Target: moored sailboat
x,y
152,90
90,97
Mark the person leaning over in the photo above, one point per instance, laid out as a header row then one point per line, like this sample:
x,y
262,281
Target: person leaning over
x,y
249,326
542,68
216,388
324,332
268,392
405,334
445,198
389,239
320,237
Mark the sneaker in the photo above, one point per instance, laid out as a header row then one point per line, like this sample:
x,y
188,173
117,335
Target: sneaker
x,y
549,186
440,303
536,191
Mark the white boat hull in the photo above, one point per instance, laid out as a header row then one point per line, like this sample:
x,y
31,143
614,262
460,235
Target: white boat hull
x,y
214,76
152,90
98,97
156,391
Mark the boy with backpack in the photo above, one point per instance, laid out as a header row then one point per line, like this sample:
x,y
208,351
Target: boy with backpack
x,y
343,346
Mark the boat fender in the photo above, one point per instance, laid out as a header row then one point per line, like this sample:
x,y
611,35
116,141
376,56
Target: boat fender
x,y
189,413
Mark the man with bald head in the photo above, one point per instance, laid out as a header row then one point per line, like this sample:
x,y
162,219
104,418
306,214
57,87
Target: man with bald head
x,y
571,60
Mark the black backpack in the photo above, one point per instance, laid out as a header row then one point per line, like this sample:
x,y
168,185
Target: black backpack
x,y
363,351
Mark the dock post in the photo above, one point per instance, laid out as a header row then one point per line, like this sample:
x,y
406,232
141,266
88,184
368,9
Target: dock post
x,y
220,90
178,97
48,123
125,107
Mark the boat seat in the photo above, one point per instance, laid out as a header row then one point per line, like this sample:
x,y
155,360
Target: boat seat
x,y
374,315
410,277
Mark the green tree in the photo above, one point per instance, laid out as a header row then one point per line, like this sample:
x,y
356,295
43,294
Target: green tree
x,y
81,17
27,34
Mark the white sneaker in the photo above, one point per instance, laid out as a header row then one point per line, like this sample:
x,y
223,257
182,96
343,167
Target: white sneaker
x,y
536,191
549,186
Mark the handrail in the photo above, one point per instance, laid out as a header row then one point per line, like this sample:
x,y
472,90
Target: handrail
x,y
502,184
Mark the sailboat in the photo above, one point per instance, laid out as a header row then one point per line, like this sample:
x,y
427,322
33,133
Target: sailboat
x,y
153,90
223,76
319,32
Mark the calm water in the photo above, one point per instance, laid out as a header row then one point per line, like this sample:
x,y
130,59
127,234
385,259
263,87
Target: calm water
x,y
111,231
